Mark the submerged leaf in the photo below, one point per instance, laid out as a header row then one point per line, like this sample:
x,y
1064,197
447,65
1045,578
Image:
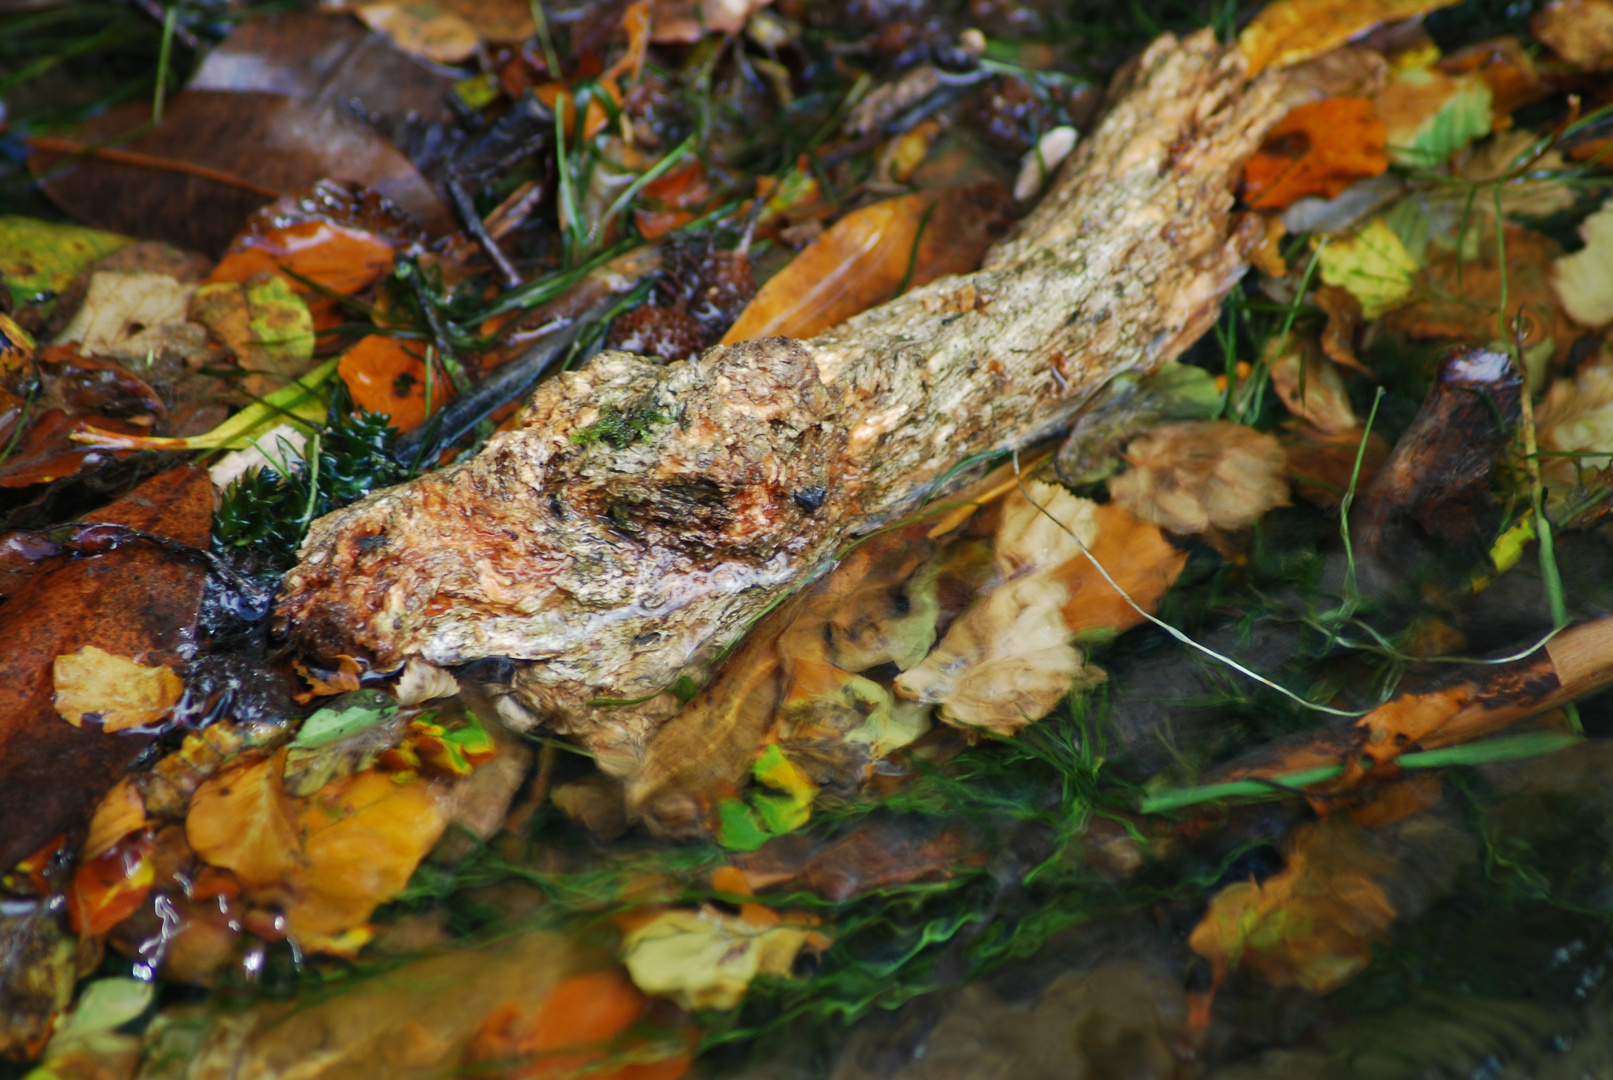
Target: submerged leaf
x,y
361,839
242,821
114,691
1311,925
706,959
1202,474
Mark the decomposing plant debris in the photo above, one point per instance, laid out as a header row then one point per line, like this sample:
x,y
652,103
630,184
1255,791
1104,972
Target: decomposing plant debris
x,y
853,539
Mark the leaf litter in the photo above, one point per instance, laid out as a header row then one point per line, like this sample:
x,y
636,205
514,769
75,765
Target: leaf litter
x,y
1198,663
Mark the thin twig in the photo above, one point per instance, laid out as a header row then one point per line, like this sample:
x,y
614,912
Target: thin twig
x,y
51,144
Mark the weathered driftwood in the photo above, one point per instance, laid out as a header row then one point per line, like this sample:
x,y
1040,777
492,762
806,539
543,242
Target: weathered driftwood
x,y
644,515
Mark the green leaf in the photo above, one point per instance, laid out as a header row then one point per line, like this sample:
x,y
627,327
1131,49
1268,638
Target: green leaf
x,y
347,716
737,827
1438,115
38,259
1373,265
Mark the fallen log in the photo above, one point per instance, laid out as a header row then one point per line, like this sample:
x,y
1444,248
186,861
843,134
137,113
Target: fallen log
x,y
643,516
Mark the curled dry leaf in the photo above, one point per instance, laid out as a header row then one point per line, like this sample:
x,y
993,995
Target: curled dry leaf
x,y
870,255
1312,388
1202,474
1292,31
706,959
1316,150
1311,925
116,692
1584,280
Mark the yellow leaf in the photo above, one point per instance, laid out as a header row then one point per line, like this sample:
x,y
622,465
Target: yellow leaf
x,y
39,259
121,812
1292,31
1312,925
423,28
1199,474
114,691
362,839
706,959
1373,266
241,820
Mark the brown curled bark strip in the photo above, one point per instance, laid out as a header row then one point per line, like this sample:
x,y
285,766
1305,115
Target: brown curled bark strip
x,y
643,516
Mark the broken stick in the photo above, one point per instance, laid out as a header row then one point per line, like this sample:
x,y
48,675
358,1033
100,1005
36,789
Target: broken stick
x,y
643,516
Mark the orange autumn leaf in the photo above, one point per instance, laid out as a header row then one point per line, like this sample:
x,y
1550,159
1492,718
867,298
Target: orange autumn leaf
x,y
1317,149
577,1030
1139,558
865,259
1397,726
1312,925
558,95
120,812
343,260
673,200
386,375
109,888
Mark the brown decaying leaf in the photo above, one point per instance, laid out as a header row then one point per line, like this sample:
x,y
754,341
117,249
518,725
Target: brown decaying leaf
x,y
1200,474
1312,388
1291,31
1311,925
1457,298
1320,467
95,686
1343,319
1576,416
123,313
136,600
868,255
1137,556
1580,31
423,28
275,142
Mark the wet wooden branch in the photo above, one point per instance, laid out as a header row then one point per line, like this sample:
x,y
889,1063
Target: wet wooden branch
x,y
643,516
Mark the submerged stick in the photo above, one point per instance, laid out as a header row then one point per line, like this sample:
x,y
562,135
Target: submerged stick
x,y
643,516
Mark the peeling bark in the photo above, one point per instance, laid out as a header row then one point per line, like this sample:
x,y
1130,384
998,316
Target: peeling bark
x,y
643,516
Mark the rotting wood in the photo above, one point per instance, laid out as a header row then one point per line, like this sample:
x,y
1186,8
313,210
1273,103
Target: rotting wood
x,y
643,516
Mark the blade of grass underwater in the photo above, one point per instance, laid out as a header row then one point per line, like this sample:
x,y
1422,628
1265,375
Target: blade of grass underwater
x,y
1512,748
